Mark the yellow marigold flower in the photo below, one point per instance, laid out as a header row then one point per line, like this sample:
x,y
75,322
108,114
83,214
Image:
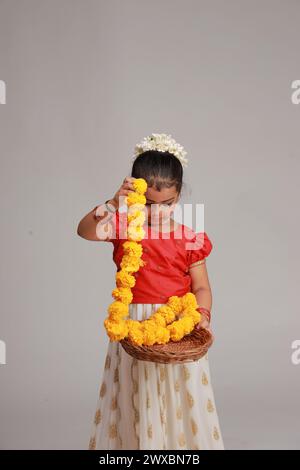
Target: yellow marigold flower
x,y
167,313
116,330
162,335
135,233
136,207
136,336
188,311
124,279
189,300
123,294
180,328
174,302
130,263
133,248
196,318
187,324
149,338
136,219
133,323
149,325
176,333
130,259
118,308
140,185
116,317
134,198
159,319
192,313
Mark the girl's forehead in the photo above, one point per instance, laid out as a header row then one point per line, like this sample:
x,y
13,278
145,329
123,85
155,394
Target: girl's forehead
x,y
163,195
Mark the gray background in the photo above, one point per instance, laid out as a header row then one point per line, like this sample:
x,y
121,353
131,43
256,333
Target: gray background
x,y
86,80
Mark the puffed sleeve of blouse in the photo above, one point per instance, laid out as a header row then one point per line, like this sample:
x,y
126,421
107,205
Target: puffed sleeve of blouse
x,y
199,248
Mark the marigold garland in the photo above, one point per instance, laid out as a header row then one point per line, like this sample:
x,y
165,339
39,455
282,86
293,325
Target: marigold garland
x,y
171,321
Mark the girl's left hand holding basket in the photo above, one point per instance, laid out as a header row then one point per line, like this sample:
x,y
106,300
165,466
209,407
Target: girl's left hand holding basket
x,y
205,322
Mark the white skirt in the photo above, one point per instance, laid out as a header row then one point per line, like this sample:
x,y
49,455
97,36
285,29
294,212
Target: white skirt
x,y
145,405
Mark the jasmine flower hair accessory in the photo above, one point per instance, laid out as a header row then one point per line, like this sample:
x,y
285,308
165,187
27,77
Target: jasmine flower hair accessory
x,y
162,143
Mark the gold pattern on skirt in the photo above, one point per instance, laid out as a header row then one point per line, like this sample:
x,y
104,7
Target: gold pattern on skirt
x,y
92,443
135,410
97,417
107,362
190,399
210,406
149,431
162,373
194,426
216,433
103,389
116,374
186,372
158,388
179,413
114,403
148,401
162,417
112,431
177,385
181,439
204,379
146,372
135,386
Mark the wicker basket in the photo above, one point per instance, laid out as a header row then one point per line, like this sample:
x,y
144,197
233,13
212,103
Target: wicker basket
x,y
189,349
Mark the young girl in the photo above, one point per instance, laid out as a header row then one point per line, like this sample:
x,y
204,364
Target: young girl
x,y
142,404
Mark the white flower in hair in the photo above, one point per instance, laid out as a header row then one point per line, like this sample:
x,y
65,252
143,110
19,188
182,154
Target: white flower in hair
x,y
162,143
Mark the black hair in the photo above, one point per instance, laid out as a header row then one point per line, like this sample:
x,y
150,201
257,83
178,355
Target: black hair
x,y
159,169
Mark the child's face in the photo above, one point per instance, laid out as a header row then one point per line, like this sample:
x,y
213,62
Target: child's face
x,y
160,204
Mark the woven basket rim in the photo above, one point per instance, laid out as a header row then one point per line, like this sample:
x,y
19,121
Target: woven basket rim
x,y
197,344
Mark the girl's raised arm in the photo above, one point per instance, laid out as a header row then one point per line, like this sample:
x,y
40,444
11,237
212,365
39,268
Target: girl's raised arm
x,y
99,217
98,224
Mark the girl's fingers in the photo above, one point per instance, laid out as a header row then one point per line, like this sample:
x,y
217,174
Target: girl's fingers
x,y
124,192
128,180
127,186
204,324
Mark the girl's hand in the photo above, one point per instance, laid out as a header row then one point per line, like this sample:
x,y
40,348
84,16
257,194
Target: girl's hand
x,y
204,323
124,190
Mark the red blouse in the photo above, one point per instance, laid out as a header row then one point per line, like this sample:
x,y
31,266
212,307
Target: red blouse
x,y
167,257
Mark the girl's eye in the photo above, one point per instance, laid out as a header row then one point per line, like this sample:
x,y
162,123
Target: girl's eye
x,y
169,204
